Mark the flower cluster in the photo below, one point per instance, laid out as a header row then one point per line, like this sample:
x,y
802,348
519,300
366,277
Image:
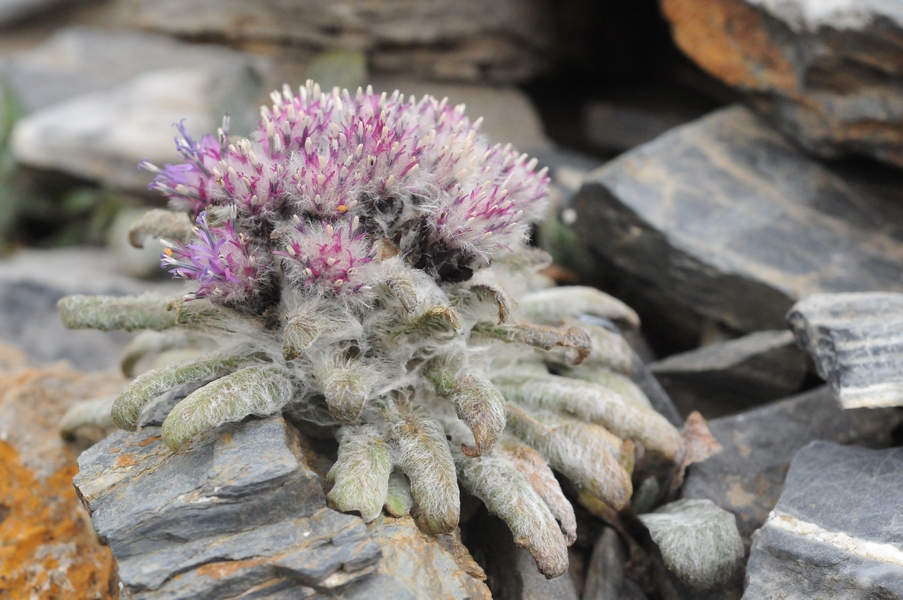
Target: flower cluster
x,y
360,263
416,174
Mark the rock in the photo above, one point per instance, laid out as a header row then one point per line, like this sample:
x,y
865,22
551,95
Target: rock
x,y
605,574
511,572
81,60
103,136
732,376
47,548
631,591
699,542
416,565
829,74
240,512
12,11
747,477
338,68
614,126
856,344
725,218
658,397
31,283
505,41
835,531
236,511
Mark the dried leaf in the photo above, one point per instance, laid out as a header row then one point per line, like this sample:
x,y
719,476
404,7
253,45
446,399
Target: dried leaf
x,y
700,445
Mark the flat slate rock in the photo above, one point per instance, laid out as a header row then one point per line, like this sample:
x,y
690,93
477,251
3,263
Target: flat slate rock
x,y
239,514
727,219
836,531
236,511
856,341
748,476
81,60
102,136
830,74
469,40
732,376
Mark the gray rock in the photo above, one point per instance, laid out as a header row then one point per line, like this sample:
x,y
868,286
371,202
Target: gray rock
x,y
829,74
835,532
855,340
236,511
240,513
631,591
536,586
618,126
725,218
469,40
658,397
102,136
31,283
81,60
605,573
12,11
747,477
735,375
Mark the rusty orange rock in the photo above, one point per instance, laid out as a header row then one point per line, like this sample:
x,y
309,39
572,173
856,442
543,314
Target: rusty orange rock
x,y
47,547
833,87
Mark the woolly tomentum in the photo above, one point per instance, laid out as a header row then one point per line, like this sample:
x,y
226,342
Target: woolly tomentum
x,y
360,262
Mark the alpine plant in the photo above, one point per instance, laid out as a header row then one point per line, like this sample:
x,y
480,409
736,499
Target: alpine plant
x,y
361,263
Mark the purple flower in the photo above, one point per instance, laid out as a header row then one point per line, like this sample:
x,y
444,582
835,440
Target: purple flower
x,y
187,184
221,260
332,259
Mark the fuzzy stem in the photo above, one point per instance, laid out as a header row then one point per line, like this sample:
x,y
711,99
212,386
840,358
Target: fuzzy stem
x,y
536,470
257,390
506,493
399,500
559,303
422,452
108,313
149,385
475,399
578,452
361,473
592,403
